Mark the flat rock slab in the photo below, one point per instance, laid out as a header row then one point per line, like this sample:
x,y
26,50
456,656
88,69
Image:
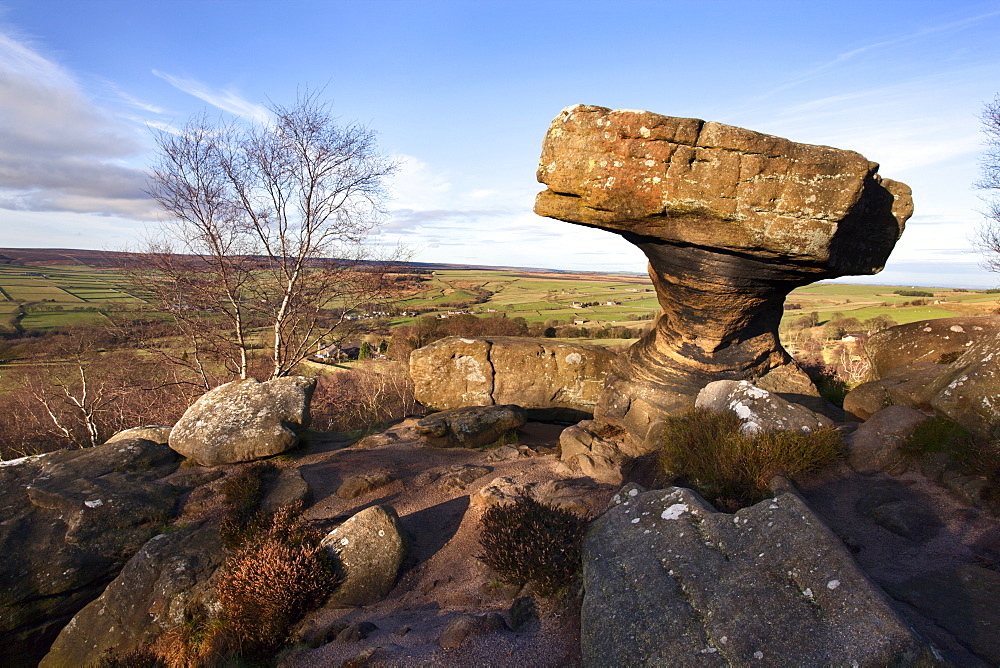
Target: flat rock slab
x,y
670,582
470,427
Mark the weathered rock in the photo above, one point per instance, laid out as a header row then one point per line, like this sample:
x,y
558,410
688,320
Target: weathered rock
x,y
758,409
668,581
71,519
968,388
154,433
865,400
244,420
465,626
552,380
582,496
369,549
359,485
599,451
906,517
470,427
910,385
170,573
731,221
939,341
874,446
962,600
289,489
455,478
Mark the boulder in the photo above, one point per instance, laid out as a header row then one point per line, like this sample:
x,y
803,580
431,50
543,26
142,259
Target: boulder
x,y
470,427
939,341
464,627
731,221
164,579
551,379
359,485
154,433
758,409
599,451
369,549
289,489
874,446
71,519
244,420
669,581
967,389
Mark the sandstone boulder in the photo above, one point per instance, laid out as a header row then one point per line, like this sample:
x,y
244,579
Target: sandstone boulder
x,y
244,420
470,427
874,446
71,519
939,341
552,380
968,388
668,581
758,409
599,451
171,572
289,489
154,433
731,221
369,549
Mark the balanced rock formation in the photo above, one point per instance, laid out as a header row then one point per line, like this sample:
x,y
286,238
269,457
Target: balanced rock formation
x,y
552,380
731,221
244,420
670,582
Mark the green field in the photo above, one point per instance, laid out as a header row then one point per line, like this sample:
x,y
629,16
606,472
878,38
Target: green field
x,y
33,297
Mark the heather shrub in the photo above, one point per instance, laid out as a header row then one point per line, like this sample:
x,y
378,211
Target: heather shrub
x,y
241,495
141,657
940,434
706,451
528,541
272,582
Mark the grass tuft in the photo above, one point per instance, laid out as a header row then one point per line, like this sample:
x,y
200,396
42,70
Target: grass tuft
x,y
706,451
528,541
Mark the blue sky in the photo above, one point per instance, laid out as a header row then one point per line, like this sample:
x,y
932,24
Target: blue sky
x,y
463,91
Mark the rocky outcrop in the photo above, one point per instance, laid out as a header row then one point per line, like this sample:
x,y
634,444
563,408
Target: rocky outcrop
x,y
758,409
939,341
244,420
71,519
154,433
668,581
470,427
731,220
875,446
369,549
948,366
167,577
552,380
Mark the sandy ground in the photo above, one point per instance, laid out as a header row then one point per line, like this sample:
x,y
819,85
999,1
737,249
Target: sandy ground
x,y
443,579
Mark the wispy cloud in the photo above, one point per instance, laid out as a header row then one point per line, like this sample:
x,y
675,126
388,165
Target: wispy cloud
x,y
226,100
60,151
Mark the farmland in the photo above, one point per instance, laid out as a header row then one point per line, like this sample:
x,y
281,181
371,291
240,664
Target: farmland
x,y
38,297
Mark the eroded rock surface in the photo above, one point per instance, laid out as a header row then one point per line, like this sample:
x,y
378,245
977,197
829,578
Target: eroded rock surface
x,y
758,409
70,521
244,420
470,427
369,549
552,380
731,220
668,581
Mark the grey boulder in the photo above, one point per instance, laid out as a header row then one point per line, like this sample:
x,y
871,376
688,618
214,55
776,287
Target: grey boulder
x,y
244,420
670,582
875,445
369,549
758,409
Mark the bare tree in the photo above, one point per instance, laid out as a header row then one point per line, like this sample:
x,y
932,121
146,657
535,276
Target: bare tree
x,y
988,236
268,233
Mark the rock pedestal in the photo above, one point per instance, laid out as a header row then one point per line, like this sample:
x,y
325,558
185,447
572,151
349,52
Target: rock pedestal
x,y
731,221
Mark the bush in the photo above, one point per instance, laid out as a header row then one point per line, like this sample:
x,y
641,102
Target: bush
x,y
706,450
528,541
940,434
241,495
831,387
913,293
142,657
272,582
361,398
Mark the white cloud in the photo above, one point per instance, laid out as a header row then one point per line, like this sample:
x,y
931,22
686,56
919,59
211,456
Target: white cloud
x,y
59,151
226,100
